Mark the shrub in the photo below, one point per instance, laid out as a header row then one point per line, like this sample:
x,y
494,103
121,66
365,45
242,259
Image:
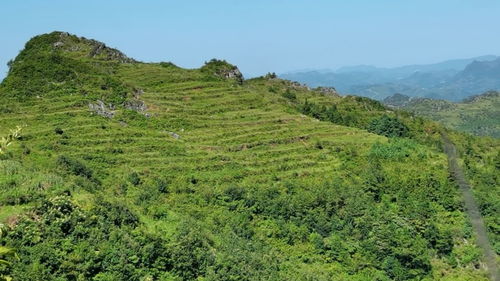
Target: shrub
x,y
388,126
395,149
162,186
134,179
289,95
58,131
73,166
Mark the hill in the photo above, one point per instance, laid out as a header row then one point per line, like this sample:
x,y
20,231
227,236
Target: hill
x,y
478,115
126,170
450,80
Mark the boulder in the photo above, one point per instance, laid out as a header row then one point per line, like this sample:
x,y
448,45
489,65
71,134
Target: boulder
x,y
328,91
101,109
136,105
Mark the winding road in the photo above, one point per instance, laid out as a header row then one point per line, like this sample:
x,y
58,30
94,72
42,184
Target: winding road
x,y
471,208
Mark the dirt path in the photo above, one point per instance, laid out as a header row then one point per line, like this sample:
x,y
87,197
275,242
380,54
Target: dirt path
x,y
472,209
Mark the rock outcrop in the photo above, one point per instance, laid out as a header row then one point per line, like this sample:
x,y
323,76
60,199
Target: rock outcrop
x,y
95,49
224,70
101,109
328,91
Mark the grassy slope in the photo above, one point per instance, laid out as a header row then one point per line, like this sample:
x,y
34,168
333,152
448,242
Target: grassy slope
x,y
479,116
249,169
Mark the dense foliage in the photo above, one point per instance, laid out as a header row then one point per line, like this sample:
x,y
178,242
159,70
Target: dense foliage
x,y
220,181
389,127
478,115
481,161
59,64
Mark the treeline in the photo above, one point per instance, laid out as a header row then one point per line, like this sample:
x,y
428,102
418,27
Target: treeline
x,y
384,125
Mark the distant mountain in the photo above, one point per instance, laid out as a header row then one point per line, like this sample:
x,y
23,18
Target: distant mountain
x,y
479,115
482,69
457,64
477,77
451,80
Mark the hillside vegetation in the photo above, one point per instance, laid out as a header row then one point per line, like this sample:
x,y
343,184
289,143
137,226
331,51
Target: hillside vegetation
x,y
478,115
146,171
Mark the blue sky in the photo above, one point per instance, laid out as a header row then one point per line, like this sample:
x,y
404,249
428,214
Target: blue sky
x,y
265,35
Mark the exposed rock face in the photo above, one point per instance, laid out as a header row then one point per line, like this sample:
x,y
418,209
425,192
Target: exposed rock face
x,y
58,44
327,91
224,70
174,135
98,49
138,92
101,109
297,85
233,74
136,105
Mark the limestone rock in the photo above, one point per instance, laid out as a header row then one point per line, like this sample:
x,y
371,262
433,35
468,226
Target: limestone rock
x,y
136,105
328,91
101,109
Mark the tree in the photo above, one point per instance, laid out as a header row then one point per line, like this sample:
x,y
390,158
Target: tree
x,y
388,126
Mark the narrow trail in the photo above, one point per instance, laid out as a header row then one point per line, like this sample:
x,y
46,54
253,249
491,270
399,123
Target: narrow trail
x,y
472,209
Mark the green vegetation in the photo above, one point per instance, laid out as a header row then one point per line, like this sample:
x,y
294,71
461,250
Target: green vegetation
x,y
9,139
389,127
60,64
481,161
221,179
478,115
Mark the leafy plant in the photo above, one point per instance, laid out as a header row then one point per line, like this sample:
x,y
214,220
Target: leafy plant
x,y
9,139
74,166
389,127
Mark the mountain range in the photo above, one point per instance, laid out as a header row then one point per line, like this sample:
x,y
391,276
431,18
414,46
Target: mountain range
x,y
451,80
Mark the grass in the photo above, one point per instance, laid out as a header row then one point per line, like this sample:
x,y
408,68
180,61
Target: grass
x,y
478,116
265,191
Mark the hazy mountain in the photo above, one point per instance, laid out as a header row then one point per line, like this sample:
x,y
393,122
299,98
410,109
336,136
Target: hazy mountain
x,y
457,64
450,80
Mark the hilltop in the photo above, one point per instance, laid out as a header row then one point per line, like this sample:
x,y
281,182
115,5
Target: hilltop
x,y
125,170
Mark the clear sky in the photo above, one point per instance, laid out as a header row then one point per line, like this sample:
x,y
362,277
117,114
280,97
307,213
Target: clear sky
x,y
265,35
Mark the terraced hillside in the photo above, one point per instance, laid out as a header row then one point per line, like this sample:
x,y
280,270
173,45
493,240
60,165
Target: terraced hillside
x,y
134,171
478,115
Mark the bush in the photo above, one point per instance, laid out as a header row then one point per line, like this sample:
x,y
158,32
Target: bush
x,y
389,127
395,149
58,131
289,95
134,179
162,186
73,166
